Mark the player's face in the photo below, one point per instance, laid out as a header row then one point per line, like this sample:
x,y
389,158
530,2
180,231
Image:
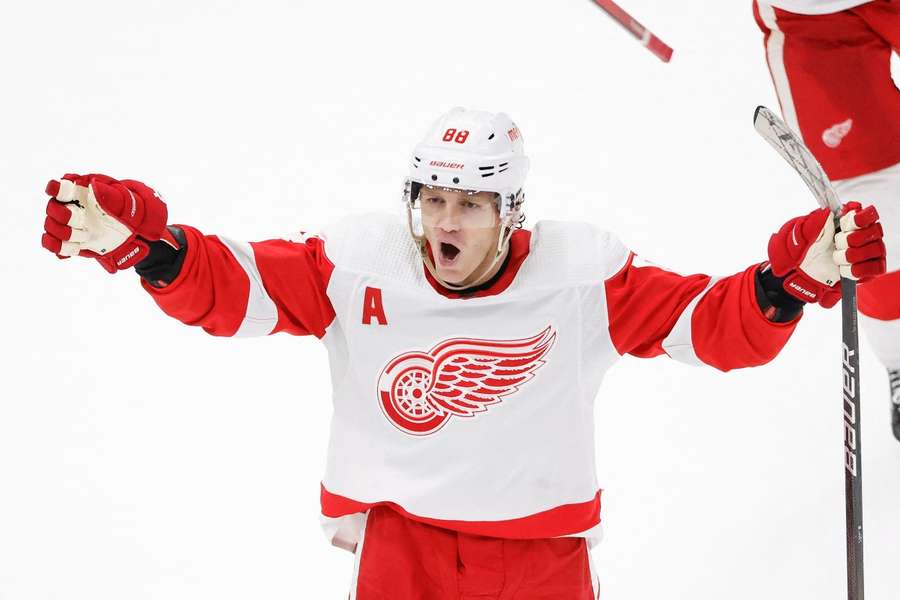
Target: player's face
x,y
462,230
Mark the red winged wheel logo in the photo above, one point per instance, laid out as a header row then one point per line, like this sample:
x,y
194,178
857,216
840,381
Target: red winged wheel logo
x,y
420,391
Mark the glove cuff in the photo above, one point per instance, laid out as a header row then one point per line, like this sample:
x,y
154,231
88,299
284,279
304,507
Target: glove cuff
x,y
165,259
776,303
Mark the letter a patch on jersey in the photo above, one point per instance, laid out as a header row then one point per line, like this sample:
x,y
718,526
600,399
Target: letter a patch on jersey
x,y
460,377
373,307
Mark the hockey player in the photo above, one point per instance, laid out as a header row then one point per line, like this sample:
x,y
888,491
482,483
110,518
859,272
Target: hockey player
x,y
457,339
831,65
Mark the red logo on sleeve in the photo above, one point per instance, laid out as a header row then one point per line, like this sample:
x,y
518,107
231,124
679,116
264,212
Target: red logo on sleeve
x,y
419,391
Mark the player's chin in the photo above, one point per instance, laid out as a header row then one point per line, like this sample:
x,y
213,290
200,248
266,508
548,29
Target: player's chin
x,y
456,272
452,274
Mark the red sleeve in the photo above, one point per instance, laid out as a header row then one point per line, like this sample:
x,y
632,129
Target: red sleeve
x,y
691,318
237,289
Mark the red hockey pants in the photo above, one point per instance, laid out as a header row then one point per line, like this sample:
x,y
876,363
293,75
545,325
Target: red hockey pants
x,y
832,73
402,559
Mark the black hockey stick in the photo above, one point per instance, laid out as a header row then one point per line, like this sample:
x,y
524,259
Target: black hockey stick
x,y
791,147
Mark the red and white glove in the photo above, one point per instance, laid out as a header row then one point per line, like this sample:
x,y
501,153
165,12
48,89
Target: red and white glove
x,y
811,258
99,217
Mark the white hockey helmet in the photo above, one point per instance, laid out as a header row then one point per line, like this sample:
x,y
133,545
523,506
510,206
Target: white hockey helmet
x,y
474,151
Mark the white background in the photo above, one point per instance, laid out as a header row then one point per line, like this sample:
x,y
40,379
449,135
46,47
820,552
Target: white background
x,y
142,459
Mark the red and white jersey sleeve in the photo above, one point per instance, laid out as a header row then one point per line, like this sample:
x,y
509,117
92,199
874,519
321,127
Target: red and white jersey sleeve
x,y
243,289
814,7
694,319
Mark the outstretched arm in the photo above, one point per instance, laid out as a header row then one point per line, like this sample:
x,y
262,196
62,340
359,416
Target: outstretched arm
x,y
229,288
742,320
694,319
242,289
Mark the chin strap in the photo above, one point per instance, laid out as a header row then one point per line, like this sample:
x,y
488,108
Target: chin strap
x,y
486,274
509,221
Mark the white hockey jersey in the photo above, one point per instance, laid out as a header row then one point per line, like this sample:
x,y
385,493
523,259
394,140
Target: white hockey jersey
x,y
470,411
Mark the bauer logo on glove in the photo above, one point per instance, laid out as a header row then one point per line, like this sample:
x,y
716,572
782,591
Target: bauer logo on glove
x,y
811,257
100,217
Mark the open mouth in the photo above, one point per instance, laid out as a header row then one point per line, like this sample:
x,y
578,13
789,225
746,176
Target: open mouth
x,y
448,253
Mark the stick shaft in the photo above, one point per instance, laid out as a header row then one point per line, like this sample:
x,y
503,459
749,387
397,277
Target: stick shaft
x,y
852,441
658,47
792,149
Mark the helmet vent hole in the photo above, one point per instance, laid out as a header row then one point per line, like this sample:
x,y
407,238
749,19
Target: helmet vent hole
x,y
487,170
490,137
456,180
434,177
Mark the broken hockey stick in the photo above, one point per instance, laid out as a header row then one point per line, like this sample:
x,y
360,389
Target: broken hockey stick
x,y
791,147
643,35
